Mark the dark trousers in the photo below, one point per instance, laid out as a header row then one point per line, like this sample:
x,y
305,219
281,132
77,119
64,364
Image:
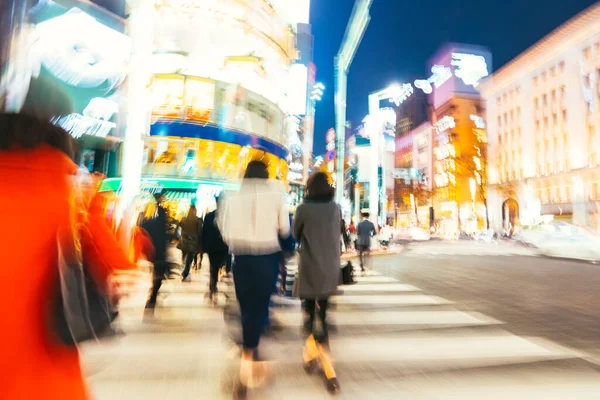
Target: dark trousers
x,y
254,278
158,275
313,308
217,261
188,257
229,263
362,250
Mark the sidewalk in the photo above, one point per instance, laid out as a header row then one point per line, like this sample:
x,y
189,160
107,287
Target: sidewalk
x,y
390,340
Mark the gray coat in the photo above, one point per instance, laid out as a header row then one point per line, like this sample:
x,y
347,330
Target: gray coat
x,y
316,227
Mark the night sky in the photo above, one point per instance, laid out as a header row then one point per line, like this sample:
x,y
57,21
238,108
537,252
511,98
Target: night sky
x,y
404,34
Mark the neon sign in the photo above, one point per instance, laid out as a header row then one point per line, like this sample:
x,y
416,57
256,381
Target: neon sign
x,y
441,74
402,93
445,123
479,122
470,68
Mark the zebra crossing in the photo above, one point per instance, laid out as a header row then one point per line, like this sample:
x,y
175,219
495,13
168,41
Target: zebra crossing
x,y
466,248
388,340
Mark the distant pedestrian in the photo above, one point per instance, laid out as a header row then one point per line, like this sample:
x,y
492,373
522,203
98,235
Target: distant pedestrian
x,y
157,230
365,232
215,247
190,242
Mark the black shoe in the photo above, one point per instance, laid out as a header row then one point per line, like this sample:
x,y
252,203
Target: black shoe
x,y
310,366
151,304
333,386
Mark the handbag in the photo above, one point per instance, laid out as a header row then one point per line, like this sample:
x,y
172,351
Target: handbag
x,y
83,311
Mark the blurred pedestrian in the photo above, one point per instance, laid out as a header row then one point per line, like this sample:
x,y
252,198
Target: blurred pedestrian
x,y
37,175
215,247
156,229
191,240
317,227
252,222
365,232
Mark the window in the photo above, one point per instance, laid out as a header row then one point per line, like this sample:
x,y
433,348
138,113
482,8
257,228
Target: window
x,y
545,123
553,95
505,118
553,72
537,125
499,122
536,103
563,91
597,48
544,76
587,53
519,113
535,81
512,115
555,119
545,100
499,101
561,67
564,116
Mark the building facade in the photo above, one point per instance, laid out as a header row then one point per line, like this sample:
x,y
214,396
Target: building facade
x,y
543,117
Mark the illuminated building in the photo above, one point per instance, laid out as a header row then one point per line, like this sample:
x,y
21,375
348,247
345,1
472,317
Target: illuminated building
x,y
224,89
456,167
544,128
81,47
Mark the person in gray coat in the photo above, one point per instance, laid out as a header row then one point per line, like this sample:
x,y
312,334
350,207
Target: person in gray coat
x,y
316,227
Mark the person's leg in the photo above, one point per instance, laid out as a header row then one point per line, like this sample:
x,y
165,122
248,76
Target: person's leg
x,y
361,255
322,311
158,275
188,263
229,263
216,262
308,308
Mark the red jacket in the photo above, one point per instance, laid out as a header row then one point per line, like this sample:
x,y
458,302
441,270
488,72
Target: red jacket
x,y
33,201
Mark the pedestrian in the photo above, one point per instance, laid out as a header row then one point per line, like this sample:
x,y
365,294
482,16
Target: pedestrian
x,y
156,228
317,227
191,240
345,236
215,247
352,231
365,232
37,177
252,222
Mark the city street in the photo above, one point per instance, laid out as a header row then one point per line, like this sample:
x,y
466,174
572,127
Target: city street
x,y
422,325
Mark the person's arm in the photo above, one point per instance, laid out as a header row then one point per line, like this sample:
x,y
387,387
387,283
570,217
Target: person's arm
x,y
284,218
298,224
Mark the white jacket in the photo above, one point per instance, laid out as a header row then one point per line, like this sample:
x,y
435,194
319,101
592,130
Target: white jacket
x,y
253,220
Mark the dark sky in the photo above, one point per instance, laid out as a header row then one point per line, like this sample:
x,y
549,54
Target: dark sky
x,y
404,34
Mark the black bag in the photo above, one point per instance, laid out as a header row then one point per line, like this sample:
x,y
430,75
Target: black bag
x,y
83,311
348,274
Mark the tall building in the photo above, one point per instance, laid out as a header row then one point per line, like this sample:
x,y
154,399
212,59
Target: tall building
x,y
459,142
544,128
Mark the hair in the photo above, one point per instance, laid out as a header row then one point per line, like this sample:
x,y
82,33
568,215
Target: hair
x,y
32,127
256,170
366,215
192,212
318,187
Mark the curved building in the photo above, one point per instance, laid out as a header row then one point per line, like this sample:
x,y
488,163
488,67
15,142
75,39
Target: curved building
x,y
222,93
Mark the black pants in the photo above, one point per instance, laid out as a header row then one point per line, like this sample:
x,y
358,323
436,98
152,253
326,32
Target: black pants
x,y
188,257
217,261
362,250
158,275
312,308
254,278
229,263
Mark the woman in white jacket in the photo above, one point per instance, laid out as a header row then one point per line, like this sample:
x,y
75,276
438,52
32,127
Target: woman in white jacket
x,y
252,221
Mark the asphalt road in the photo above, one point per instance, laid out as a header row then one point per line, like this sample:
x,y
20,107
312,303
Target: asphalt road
x,y
534,296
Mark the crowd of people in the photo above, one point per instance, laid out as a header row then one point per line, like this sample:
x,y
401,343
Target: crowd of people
x,y
251,235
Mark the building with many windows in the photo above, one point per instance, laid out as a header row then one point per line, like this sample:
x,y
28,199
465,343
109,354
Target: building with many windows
x,y
544,128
